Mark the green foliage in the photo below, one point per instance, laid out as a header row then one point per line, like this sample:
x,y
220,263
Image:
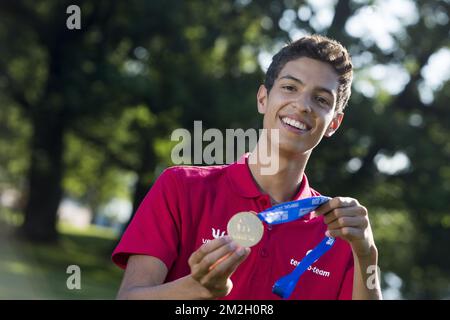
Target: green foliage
x,y
15,132
90,178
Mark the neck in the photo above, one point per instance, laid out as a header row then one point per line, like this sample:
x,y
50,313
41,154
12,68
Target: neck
x,y
284,183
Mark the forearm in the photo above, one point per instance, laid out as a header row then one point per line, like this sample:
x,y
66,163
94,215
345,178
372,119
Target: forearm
x,y
181,289
366,282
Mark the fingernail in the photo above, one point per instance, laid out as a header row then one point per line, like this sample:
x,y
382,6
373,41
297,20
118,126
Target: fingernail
x,y
232,245
327,233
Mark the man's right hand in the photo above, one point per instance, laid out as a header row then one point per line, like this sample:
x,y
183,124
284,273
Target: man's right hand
x,y
211,267
213,264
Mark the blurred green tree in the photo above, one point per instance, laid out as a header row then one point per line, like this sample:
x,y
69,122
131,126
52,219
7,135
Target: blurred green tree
x,y
63,79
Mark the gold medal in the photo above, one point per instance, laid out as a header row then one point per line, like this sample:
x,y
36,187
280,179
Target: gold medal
x,y
245,228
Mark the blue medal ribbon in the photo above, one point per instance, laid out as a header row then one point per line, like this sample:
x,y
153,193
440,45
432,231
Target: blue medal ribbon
x,y
287,212
284,286
290,211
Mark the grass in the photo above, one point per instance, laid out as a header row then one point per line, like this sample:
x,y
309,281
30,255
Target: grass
x,y
38,271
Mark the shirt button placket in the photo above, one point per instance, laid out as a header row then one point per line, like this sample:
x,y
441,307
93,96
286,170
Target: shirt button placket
x,y
263,252
265,204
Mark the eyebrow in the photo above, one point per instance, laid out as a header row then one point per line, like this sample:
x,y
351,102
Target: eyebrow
x,y
302,83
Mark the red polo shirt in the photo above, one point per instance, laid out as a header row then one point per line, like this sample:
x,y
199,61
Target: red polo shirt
x,y
188,206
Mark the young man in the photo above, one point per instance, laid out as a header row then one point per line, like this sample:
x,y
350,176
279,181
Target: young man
x,y
176,247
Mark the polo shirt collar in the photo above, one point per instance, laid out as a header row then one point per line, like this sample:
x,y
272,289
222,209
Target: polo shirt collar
x,y
243,183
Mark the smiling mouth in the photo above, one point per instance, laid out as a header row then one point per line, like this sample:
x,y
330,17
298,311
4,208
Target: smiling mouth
x,y
294,125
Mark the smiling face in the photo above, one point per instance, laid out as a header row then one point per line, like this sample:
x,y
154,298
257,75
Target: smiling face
x,y
301,105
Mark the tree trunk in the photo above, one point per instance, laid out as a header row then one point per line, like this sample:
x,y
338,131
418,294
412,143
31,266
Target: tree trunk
x,y
143,184
44,179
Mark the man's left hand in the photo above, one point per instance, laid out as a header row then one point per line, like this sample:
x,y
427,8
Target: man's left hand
x,y
349,220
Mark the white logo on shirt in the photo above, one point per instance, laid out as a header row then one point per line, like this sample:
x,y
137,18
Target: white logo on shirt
x,y
216,233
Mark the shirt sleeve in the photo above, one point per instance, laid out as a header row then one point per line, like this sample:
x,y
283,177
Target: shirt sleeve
x,y
154,229
346,291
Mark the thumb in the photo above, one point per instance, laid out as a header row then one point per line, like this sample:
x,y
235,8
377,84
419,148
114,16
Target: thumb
x,y
324,208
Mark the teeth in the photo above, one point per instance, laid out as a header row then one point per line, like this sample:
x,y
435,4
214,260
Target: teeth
x,y
294,123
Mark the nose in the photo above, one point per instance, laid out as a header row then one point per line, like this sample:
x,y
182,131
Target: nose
x,y
303,103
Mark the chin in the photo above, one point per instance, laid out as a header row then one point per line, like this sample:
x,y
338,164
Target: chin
x,y
294,150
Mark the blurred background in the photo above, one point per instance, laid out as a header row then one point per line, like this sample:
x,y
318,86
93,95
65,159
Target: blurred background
x,y
86,117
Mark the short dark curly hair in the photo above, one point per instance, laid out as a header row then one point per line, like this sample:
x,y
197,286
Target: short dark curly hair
x,y
319,48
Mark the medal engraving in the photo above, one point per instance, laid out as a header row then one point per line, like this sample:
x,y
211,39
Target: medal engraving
x,y
245,228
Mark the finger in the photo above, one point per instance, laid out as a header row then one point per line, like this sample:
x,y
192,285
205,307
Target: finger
x,y
225,268
343,212
200,269
337,202
206,248
348,233
346,221
220,260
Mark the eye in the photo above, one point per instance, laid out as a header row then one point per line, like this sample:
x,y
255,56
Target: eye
x,y
289,88
322,101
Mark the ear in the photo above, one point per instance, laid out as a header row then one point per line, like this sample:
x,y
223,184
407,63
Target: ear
x,y
261,98
335,123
